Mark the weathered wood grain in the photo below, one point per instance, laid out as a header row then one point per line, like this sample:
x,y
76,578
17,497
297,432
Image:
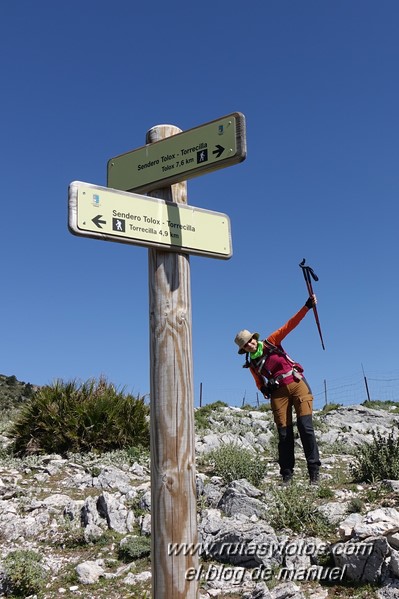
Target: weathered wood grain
x,y
173,488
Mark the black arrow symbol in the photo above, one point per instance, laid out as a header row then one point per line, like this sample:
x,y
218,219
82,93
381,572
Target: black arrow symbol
x,y
96,220
219,151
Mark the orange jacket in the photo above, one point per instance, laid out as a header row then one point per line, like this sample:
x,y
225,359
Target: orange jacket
x,y
280,363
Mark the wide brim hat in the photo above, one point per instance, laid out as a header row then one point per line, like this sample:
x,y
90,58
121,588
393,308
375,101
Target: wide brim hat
x,y
243,337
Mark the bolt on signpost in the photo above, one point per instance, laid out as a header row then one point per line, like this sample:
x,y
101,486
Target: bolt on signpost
x,y
162,167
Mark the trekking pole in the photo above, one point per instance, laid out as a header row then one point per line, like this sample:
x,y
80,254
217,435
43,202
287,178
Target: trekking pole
x,y
309,274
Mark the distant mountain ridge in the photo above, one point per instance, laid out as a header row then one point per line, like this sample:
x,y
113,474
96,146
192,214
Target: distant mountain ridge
x,y
13,392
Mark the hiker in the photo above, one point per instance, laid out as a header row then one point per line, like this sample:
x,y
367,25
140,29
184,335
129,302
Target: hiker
x,y
277,376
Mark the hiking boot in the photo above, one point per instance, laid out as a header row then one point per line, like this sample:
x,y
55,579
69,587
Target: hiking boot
x,y
314,478
287,480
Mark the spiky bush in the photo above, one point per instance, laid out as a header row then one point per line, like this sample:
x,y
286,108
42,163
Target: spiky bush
x,y
233,462
377,460
72,417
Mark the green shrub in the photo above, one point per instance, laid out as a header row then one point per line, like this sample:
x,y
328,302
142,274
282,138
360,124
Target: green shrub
x,y
201,415
378,404
72,417
377,460
337,447
265,407
233,462
132,548
295,509
325,492
355,506
248,407
24,574
138,453
13,393
328,407
11,380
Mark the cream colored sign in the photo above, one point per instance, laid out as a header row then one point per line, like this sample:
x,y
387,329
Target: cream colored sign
x,y
114,215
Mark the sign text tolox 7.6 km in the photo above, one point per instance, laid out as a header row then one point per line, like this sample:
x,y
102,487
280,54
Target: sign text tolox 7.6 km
x,y
114,215
194,152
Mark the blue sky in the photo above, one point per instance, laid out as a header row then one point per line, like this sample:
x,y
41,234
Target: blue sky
x,y
83,81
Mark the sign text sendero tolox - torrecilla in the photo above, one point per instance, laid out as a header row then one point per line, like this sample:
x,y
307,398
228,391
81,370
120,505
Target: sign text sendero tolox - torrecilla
x,y
114,215
194,152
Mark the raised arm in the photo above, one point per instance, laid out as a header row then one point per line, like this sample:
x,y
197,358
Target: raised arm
x,y
277,337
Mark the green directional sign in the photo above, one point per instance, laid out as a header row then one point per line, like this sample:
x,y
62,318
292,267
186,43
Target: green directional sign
x,y
194,152
114,215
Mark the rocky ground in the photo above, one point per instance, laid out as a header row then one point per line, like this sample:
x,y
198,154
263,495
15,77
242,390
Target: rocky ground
x,y
85,516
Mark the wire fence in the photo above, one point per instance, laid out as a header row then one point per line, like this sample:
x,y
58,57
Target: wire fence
x,y
356,392
344,391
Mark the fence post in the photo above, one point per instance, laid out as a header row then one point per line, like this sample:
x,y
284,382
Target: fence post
x,y
366,384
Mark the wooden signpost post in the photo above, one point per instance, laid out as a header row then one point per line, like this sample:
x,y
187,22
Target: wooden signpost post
x,y
173,479
173,485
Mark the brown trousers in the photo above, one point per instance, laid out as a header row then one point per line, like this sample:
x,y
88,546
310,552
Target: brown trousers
x,y
295,395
